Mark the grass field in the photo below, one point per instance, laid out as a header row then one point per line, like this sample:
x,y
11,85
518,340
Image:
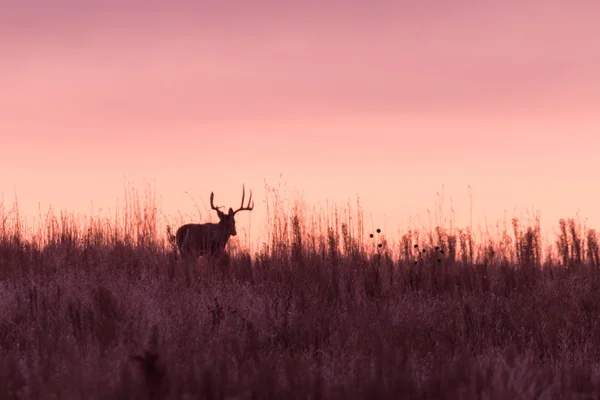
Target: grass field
x,y
98,309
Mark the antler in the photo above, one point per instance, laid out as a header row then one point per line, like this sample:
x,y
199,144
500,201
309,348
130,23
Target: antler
x,y
248,207
212,196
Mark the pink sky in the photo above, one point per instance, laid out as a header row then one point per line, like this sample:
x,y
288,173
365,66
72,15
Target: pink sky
x,y
389,100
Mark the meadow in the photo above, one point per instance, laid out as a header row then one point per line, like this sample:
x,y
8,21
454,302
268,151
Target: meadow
x,y
98,308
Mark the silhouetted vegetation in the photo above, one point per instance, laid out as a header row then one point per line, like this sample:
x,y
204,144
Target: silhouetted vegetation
x,y
323,309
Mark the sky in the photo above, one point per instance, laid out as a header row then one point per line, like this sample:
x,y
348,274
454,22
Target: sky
x,y
395,102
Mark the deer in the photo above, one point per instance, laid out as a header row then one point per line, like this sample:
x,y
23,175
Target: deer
x,y
209,239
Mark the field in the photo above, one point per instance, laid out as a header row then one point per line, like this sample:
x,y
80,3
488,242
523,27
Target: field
x,y
99,309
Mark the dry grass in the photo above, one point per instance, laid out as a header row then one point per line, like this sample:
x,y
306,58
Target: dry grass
x,y
99,309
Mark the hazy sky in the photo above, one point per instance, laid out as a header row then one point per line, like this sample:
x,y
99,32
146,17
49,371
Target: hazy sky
x,y
389,100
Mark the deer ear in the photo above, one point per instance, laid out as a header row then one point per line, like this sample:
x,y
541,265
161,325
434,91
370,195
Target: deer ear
x,y
231,211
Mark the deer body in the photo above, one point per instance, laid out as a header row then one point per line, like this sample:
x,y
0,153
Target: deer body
x,y
209,239
202,239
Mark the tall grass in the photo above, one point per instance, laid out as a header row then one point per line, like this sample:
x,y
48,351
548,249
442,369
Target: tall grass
x,y
99,308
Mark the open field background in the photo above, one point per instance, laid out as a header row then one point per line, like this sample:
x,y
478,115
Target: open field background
x,y
388,99
101,309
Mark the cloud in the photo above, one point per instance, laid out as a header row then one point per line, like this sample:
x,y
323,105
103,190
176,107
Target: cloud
x,y
208,61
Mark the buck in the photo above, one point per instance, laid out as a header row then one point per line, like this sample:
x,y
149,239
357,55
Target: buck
x,y
209,239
